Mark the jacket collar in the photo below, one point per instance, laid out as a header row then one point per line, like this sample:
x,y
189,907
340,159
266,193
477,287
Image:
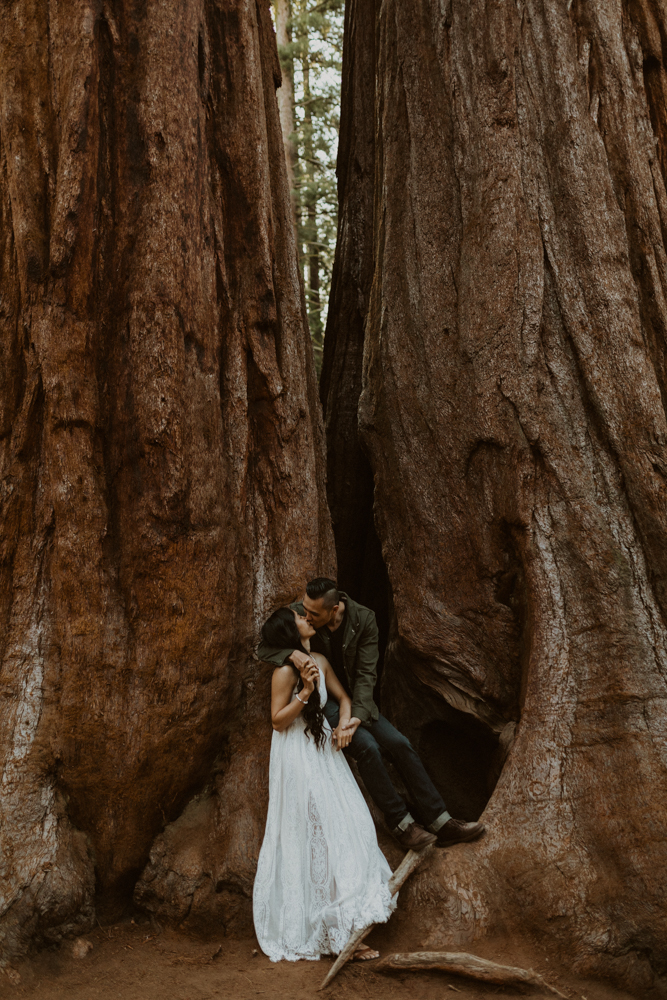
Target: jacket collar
x,y
351,608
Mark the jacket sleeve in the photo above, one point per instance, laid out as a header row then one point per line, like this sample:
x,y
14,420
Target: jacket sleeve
x,y
366,672
278,657
272,655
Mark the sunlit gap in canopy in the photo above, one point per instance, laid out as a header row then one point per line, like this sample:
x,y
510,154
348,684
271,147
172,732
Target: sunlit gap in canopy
x,y
310,47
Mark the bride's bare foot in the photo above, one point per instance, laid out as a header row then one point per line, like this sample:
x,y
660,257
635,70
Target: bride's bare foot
x,y
365,954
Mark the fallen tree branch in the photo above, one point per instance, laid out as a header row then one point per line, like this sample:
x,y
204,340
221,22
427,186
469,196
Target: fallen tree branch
x,y
463,964
411,861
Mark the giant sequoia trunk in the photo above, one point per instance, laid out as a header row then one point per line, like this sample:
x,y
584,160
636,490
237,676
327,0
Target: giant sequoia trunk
x,y
161,485
513,314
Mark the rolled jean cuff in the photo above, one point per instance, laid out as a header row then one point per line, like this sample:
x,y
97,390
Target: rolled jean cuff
x,y
438,823
404,824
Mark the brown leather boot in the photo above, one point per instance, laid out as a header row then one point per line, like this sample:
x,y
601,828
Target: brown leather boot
x,y
415,837
457,831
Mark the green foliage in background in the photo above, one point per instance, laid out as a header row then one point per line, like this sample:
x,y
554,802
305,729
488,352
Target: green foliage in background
x,y
311,58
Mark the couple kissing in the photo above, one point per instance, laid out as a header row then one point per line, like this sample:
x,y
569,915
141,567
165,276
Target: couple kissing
x,y
321,874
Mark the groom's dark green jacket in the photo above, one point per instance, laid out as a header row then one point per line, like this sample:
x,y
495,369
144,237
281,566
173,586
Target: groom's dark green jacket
x,y
360,654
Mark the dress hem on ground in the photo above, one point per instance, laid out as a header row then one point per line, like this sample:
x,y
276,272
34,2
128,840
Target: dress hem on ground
x,y
378,913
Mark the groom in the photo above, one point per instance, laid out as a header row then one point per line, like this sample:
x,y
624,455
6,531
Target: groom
x,y
346,633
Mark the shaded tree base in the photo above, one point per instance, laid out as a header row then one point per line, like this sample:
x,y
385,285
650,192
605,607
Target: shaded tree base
x,y
468,900
202,867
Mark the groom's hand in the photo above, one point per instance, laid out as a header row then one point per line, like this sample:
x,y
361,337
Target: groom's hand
x,y
352,726
300,660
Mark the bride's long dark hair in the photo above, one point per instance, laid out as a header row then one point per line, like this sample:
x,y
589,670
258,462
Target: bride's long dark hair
x,y
280,631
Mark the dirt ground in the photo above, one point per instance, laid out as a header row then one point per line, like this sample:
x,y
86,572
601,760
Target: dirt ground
x,y
131,962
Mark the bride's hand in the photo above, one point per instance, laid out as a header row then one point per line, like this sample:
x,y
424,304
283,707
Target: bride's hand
x,y
342,735
309,674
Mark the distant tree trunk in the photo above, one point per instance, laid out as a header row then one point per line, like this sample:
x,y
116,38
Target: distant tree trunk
x,y
310,203
159,439
513,408
286,96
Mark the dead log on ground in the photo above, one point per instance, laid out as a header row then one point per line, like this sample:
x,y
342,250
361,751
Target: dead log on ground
x,y
462,964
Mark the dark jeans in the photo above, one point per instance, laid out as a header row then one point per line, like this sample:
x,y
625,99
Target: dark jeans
x,y
366,748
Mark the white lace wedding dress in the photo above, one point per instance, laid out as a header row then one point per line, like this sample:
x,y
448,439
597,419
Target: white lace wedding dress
x,y
321,874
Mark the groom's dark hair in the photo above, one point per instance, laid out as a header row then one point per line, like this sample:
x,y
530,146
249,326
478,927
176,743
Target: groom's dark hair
x,y
324,588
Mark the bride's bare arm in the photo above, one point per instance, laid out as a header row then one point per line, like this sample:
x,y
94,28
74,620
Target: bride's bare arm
x,y
283,710
343,733
336,690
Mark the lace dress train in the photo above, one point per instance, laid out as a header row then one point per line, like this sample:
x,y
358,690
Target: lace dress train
x,y
321,874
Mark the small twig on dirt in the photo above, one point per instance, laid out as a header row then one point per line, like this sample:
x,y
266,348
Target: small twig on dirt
x,y
454,988
108,933
187,960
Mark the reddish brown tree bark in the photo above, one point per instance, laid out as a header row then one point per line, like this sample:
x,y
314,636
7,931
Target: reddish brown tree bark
x,y
512,406
286,96
162,483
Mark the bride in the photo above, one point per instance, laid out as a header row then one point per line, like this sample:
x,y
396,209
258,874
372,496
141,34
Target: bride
x,y
321,874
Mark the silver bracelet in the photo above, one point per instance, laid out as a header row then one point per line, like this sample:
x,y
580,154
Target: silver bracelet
x,y
301,700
